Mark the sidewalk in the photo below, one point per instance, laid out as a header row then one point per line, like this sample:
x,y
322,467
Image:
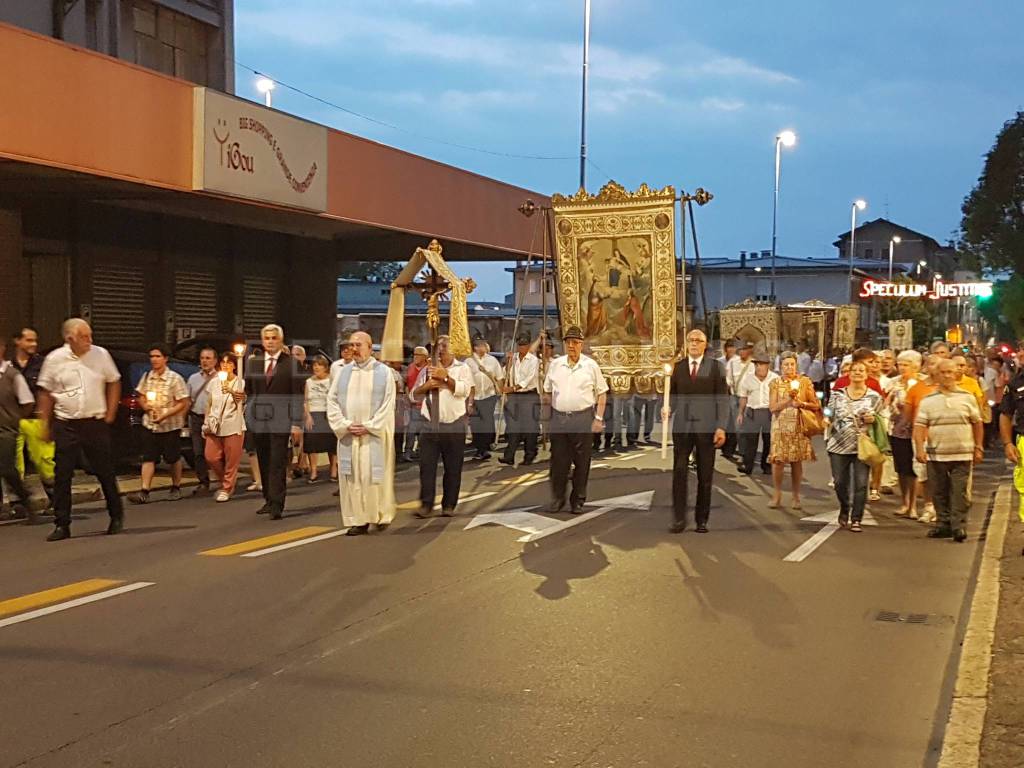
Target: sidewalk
x,y
1002,742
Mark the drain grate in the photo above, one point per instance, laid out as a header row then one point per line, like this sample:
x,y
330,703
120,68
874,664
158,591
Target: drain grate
x,y
895,617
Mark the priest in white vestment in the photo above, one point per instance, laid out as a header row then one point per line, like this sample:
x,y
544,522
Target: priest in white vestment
x,y
361,411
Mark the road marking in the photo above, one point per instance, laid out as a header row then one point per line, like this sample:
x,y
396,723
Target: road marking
x,y
266,541
55,595
521,478
631,456
299,543
415,504
74,603
637,501
521,519
805,550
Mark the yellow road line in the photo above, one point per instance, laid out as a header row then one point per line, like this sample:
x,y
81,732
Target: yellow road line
x,y
55,595
266,541
522,478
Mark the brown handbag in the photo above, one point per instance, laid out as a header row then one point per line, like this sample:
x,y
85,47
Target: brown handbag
x,y
811,423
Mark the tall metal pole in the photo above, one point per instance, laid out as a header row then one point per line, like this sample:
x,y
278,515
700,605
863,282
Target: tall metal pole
x,y
775,205
892,244
853,236
583,111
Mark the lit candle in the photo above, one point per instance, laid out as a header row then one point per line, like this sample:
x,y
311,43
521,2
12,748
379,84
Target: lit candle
x,y
794,385
223,376
151,396
911,384
667,370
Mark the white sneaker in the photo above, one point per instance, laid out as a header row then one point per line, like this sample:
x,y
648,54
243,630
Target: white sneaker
x,y
222,496
255,487
874,496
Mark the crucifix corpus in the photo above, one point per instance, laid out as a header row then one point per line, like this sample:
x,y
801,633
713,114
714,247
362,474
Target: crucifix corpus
x,y
436,281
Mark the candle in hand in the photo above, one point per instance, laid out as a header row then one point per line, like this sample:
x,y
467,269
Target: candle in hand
x,y
223,376
794,385
151,396
911,384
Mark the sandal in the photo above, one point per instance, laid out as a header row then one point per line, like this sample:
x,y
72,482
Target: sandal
x,y
797,505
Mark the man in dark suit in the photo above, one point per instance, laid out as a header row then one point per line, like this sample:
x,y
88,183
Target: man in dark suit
x,y
275,404
700,404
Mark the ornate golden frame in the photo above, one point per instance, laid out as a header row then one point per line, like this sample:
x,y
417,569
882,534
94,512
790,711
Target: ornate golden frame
x,y
646,215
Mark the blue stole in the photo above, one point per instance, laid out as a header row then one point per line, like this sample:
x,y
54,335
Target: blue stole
x,y
381,376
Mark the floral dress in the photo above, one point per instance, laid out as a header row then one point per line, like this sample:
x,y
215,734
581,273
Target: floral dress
x,y
789,443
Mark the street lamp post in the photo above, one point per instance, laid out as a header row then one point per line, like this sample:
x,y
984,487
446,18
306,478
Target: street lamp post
x,y
266,86
583,110
858,205
892,242
788,139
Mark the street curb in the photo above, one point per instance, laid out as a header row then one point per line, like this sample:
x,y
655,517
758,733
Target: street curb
x,y
961,744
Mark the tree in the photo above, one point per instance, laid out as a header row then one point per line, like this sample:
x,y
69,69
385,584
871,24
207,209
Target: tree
x,y
371,271
1004,311
921,311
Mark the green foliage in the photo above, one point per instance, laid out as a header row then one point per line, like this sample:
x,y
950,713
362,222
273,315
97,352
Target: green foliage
x,y
992,228
371,271
921,311
1005,310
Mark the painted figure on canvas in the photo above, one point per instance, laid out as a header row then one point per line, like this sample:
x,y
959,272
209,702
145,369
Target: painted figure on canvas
x,y
615,276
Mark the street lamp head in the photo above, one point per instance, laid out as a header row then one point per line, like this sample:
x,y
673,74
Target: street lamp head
x,y
897,239
787,138
265,85
923,263
860,205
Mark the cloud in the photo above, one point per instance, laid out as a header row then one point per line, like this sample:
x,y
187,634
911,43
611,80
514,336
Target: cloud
x,y
719,104
734,68
611,100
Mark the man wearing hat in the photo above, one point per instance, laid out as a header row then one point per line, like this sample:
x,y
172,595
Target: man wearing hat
x,y
737,365
577,391
754,418
487,379
522,406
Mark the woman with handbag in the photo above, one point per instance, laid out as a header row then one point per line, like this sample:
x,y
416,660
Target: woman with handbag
x,y
854,409
224,426
795,419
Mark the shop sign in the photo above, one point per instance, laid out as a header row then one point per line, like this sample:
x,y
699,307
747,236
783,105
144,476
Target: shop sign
x,y
246,150
938,290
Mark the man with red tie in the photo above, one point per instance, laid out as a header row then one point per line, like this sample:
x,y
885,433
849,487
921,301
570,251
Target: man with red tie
x,y
700,406
275,403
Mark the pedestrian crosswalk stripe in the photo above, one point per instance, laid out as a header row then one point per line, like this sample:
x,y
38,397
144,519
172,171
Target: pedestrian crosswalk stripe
x,y
57,607
266,541
55,595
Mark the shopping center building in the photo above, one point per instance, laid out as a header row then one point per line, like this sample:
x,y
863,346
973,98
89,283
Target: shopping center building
x,y
160,209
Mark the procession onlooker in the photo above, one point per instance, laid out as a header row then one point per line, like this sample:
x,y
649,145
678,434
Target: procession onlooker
x,y
901,428
420,359
948,435
939,349
299,458
487,379
275,389
791,393
755,417
16,403
401,408
522,406
198,385
318,437
79,390
925,386
870,359
853,408
994,383
737,367
31,430
164,400
224,425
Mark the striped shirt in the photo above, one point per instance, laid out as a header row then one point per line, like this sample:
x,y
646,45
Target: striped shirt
x,y
949,417
847,418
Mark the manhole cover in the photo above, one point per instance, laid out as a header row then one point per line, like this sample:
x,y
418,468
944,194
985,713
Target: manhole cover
x,y
895,617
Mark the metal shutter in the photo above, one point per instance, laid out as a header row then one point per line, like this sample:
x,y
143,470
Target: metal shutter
x,y
119,306
195,303
259,304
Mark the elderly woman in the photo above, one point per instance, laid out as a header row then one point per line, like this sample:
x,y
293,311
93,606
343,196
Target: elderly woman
x,y
853,408
901,427
789,395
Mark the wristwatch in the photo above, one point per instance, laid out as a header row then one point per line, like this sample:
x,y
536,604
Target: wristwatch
x,y
599,418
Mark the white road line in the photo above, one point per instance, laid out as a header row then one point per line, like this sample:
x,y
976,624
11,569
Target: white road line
x,y
74,603
293,544
802,552
475,496
631,456
567,524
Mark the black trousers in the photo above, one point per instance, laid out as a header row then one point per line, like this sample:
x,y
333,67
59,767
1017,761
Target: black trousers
x,y
195,427
482,424
9,467
641,425
522,424
756,423
70,439
683,445
571,444
274,457
731,438
447,443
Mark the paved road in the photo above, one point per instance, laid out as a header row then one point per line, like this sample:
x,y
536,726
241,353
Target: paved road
x,y
610,643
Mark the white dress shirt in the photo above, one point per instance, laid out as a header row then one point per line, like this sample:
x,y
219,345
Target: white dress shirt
x,y
524,373
481,381
755,390
266,361
576,387
451,405
691,360
78,385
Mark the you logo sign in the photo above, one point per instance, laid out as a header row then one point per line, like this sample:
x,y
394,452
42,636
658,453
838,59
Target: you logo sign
x,y
246,150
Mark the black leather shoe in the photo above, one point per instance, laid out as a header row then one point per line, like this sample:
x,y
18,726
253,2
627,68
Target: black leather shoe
x,y
941,533
276,513
555,508
746,470
423,512
448,512
702,527
116,525
357,530
959,535
509,462
677,527
265,509
381,527
60,533
527,462
578,509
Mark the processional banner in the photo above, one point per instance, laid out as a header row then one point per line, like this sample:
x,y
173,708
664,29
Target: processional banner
x,y
616,264
901,334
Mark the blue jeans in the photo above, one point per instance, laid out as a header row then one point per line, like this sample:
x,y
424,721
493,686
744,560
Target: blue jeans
x,y
851,478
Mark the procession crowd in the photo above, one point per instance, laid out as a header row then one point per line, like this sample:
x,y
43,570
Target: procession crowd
x,y
909,425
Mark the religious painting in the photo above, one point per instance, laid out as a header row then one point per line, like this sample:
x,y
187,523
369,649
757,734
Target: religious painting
x,y
846,326
901,334
752,321
617,278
